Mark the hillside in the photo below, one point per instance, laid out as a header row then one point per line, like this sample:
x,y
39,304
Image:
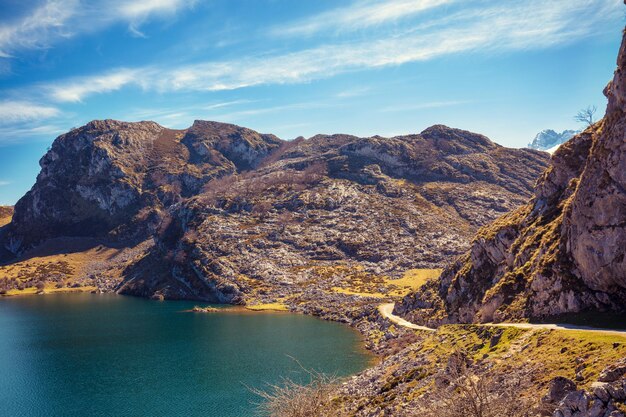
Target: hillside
x,y
111,178
561,252
242,217
6,213
334,214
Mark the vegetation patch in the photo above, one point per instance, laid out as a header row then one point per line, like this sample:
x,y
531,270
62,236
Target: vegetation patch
x,y
268,307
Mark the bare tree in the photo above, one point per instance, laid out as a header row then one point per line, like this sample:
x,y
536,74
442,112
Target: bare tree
x,y
477,394
586,115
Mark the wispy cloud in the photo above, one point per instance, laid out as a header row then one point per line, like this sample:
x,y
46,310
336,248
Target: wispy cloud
x,y
78,88
15,134
353,92
3,183
139,9
56,20
20,111
136,12
358,15
532,24
39,28
183,114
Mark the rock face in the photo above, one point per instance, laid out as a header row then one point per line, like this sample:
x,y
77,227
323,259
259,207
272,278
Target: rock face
x,y
114,178
331,209
605,397
548,139
562,252
237,215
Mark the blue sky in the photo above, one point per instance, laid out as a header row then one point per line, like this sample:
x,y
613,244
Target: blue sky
x,y
504,68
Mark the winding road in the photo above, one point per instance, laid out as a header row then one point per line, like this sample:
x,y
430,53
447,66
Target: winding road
x,y
386,310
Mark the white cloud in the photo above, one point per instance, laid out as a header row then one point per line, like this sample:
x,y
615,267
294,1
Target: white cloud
x,y
56,20
359,15
21,111
3,183
39,28
139,9
78,88
136,12
15,134
353,92
532,24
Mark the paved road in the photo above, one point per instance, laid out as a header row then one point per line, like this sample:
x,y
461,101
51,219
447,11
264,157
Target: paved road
x,y
386,310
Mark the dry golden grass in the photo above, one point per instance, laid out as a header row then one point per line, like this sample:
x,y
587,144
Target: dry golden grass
x,y
49,289
268,307
63,265
412,280
368,285
6,213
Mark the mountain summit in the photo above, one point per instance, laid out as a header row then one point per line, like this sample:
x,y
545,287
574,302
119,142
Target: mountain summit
x,y
549,140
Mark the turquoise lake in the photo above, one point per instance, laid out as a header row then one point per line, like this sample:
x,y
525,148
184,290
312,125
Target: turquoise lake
x,y
105,355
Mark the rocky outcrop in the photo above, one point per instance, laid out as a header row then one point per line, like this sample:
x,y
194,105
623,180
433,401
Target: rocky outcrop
x,y
331,209
111,178
237,214
605,398
562,252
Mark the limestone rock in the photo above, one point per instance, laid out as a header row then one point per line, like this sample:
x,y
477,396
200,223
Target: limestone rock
x,y
564,251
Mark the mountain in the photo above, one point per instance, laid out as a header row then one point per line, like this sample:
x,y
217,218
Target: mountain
x,y
330,208
114,178
548,140
223,213
561,252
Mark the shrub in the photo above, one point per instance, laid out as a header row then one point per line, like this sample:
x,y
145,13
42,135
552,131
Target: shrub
x,y
477,394
292,399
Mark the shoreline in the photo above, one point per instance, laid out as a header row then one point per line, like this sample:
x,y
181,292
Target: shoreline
x,y
65,290
374,358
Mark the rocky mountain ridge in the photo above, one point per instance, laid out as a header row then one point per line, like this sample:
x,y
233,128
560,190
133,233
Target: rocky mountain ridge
x,y
237,215
561,252
114,178
352,206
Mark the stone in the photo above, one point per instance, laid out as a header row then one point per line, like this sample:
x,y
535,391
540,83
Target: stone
x,y
559,387
613,372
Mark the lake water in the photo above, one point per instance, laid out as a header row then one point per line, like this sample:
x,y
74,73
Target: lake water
x,y
105,355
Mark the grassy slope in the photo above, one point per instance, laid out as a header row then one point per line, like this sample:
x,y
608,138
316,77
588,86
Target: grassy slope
x,y
535,355
6,212
63,264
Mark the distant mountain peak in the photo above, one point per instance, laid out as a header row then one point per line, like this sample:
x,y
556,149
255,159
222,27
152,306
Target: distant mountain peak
x,y
548,139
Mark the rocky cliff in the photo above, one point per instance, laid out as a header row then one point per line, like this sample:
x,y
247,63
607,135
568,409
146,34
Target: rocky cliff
x,y
237,215
111,178
329,210
561,252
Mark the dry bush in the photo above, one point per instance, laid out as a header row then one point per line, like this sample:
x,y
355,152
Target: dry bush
x,y
402,341
284,147
219,188
292,399
470,393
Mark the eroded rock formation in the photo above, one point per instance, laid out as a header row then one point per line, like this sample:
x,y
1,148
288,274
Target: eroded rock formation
x,y
562,252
